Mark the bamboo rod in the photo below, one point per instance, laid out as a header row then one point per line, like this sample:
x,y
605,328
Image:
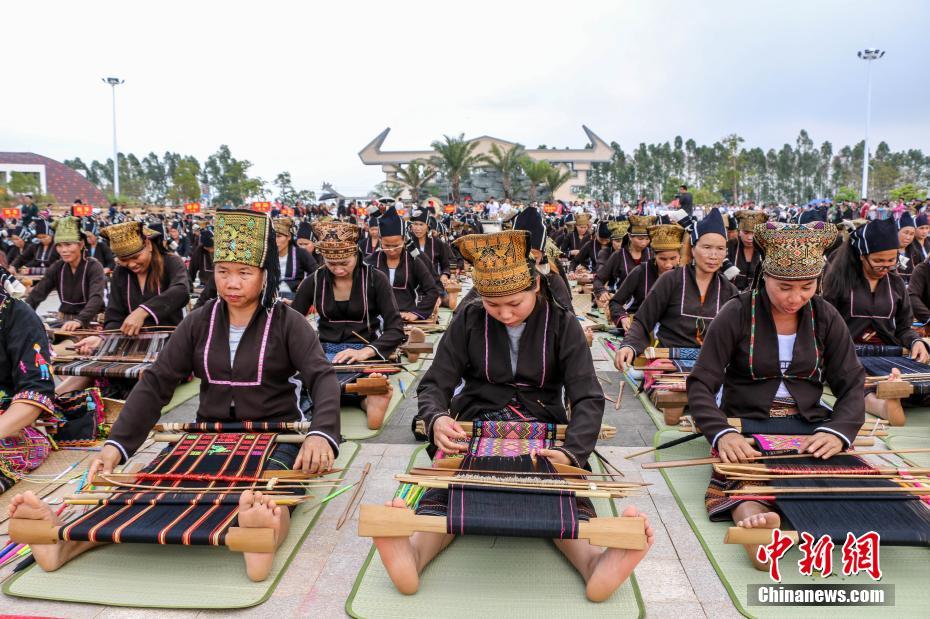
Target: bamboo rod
x,y
699,461
756,490
356,494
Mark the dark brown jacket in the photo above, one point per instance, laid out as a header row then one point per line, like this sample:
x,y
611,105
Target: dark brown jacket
x,y
80,291
823,353
164,305
919,292
277,347
886,312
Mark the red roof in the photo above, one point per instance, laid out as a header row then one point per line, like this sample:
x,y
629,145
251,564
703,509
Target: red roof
x,y
65,184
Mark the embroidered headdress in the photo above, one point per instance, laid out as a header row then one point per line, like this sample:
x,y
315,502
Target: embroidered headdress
x,y
794,251
501,261
336,240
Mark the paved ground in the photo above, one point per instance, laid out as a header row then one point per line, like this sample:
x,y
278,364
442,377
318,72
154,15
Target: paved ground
x,y
676,579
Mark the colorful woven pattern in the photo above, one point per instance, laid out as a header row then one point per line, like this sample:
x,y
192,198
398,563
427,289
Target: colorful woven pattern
x,y
119,356
510,438
779,443
23,453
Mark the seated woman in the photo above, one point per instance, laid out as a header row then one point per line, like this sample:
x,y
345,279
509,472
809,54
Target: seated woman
x,y
245,347
414,287
576,234
596,251
79,281
148,288
872,299
201,262
907,259
26,389
684,301
97,248
634,251
432,250
665,241
39,255
741,251
772,349
509,358
358,316
295,262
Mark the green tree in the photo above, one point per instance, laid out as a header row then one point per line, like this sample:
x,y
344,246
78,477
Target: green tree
x,y
229,178
286,191
506,163
537,172
415,176
455,158
185,186
706,196
846,194
908,192
555,178
23,183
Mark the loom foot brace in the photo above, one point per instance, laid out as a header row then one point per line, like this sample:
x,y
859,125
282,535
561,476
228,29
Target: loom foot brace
x,y
416,345
752,538
388,521
238,539
376,384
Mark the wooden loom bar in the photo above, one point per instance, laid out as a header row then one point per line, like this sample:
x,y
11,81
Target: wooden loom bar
x,y
385,521
469,428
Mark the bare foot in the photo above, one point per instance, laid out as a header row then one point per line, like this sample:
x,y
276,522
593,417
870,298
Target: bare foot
x,y
764,520
613,566
257,511
27,506
399,558
416,335
376,405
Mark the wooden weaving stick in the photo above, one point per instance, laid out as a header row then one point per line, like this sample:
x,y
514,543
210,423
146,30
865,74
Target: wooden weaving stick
x,y
469,428
385,521
238,539
670,464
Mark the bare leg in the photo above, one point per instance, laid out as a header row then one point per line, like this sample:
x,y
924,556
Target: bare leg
x,y
604,570
50,557
753,515
405,557
886,409
73,383
257,511
375,406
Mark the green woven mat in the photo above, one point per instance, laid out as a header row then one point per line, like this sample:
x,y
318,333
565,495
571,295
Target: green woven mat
x,y
182,394
481,576
152,576
905,568
919,438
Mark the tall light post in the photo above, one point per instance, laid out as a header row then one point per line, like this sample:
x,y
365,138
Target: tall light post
x,y
114,82
868,55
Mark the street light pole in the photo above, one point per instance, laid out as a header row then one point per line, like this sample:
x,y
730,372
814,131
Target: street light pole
x,y
868,55
114,82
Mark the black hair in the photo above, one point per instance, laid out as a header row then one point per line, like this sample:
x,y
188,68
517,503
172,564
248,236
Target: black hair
x,y
683,186
842,274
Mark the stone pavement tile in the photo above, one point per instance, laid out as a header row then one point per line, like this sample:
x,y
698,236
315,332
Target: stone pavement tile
x,y
44,608
134,613
675,610
723,610
663,580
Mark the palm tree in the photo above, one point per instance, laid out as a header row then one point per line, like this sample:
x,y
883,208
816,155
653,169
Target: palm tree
x,y
536,173
507,163
555,178
455,158
415,177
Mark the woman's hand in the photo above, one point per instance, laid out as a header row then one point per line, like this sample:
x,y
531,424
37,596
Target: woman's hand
x,y
71,326
350,355
448,435
822,445
623,360
603,299
134,322
104,462
732,447
920,354
626,322
409,316
316,455
88,345
554,455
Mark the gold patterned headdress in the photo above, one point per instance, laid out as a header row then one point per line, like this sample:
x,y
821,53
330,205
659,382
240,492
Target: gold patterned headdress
x,y
639,224
618,229
241,236
583,219
336,240
67,230
748,220
501,261
283,225
127,239
666,237
794,251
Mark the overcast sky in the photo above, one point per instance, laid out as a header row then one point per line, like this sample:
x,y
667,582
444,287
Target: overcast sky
x,y
304,86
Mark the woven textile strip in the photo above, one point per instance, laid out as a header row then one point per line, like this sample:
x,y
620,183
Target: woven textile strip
x,y
331,348
166,517
510,438
139,353
690,354
874,350
23,453
478,510
882,366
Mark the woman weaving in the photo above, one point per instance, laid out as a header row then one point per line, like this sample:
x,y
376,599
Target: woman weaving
x,y
771,349
78,280
246,347
358,316
686,300
862,284
634,240
148,288
514,353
